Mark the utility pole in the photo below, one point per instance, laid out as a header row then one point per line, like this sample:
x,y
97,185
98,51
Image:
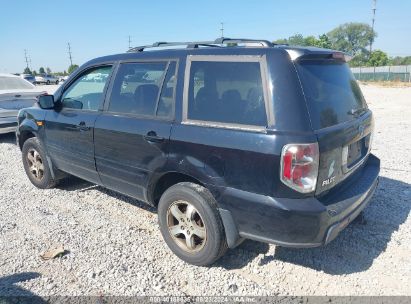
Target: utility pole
x,y
222,29
69,52
129,42
373,9
25,56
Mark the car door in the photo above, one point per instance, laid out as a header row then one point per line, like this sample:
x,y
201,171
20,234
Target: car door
x,y
70,127
132,134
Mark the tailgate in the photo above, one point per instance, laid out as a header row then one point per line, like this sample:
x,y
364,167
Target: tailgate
x,y
339,117
343,148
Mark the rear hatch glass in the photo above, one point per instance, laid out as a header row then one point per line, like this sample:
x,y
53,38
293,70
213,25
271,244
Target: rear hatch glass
x,y
332,93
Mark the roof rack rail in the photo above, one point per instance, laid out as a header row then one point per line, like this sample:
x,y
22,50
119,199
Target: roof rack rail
x,y
264,43
195,44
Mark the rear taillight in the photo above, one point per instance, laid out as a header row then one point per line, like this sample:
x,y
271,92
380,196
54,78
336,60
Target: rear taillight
x,y
299,166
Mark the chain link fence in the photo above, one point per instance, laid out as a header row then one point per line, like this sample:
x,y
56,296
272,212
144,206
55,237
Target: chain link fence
x,y
383,73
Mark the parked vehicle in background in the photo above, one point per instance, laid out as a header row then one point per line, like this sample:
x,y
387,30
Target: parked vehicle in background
x,y
63,78
47,79
265,142
15,94
30,78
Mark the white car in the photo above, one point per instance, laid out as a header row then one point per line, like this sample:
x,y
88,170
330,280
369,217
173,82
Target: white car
x,y
63,78
15,94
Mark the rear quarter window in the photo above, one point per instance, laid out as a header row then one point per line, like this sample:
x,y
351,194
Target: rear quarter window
x,y
226,92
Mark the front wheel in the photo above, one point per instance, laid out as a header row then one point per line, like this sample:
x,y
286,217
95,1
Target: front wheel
x,y
36,165
191,225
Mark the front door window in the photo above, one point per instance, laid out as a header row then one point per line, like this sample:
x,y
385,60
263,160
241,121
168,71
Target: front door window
x,y
87,92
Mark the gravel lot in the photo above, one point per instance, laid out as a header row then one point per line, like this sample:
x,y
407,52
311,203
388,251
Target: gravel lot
x,y
115,247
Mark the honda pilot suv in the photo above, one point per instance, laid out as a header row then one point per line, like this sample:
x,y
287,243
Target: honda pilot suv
x,y
230,139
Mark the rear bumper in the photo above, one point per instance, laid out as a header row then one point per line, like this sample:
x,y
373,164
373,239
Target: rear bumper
x,y
8,124
308,222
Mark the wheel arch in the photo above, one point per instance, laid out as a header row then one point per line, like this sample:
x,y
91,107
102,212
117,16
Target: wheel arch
x,y
24,135
165,181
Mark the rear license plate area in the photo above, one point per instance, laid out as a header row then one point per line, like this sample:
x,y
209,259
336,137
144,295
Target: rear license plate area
x,y
356,151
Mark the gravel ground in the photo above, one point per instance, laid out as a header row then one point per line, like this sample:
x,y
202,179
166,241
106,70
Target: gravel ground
x,y
115,247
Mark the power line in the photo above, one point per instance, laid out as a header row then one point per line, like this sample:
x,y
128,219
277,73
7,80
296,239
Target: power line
x,y
69,52
373,9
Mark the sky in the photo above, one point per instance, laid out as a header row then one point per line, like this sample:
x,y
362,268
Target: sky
x,y
97,28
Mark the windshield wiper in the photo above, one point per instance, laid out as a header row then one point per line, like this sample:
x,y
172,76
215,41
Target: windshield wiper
x,y
356,112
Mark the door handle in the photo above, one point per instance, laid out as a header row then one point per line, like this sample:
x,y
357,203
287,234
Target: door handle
x,y
152,137
82,126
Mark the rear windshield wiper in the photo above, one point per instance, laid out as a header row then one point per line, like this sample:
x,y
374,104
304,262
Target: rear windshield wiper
x,y
356,112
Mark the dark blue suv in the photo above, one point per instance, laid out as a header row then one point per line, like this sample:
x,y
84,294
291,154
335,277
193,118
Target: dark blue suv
x,y
230,139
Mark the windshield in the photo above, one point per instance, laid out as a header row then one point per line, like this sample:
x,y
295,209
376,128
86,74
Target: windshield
x,y
332,93
14,83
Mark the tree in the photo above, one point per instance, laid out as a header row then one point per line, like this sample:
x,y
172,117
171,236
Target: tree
x,y
34,73
72,68
377,58
281,41
353,38
359,60
27,71
311,41
48,70
42,71
400,60
324,42
296,39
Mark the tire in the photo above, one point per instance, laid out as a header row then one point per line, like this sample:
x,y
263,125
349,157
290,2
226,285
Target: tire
x,y
199,222
36,165
48,82
57,82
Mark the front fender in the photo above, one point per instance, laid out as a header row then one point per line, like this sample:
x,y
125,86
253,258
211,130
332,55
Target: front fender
x,y
27,123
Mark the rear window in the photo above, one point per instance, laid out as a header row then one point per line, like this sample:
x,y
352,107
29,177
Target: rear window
x,y
14,83
332,93
226,92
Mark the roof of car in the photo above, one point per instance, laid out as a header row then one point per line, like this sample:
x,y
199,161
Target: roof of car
x,y
8,75
171,50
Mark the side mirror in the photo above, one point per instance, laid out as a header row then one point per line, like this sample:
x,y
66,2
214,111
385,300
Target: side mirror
x,y
46,101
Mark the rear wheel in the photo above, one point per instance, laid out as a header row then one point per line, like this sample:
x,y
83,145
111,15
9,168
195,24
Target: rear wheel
x,y
191,225
48,82
57,82
36,165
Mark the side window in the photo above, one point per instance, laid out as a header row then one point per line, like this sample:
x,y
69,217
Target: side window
x,y
166,102
136,88
86,92
226,92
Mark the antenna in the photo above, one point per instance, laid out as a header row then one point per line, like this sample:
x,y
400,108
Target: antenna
x,y
373,9
222,29
25,56
129,42
69,52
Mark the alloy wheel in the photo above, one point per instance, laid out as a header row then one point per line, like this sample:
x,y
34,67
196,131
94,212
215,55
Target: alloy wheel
x,y
36,166
186,226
